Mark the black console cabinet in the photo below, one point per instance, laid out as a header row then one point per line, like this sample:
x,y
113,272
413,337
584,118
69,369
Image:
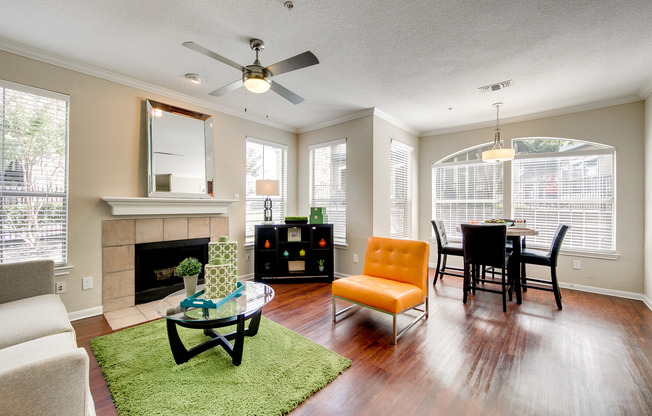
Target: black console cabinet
x,y
293,253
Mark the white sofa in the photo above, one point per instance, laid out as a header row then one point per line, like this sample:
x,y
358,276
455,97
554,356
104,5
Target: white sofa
x,y
42,371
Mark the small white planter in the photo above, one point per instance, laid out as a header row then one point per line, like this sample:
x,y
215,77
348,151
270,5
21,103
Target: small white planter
x,y
190,284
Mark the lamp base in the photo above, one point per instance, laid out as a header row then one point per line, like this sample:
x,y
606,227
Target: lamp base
x,y
268,211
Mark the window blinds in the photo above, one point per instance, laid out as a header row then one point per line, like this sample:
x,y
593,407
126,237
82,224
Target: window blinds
x,y
265,160
328,184
465,192
33,175
400,190
574,189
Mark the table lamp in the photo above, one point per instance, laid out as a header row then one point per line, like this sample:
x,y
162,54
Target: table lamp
x,y
267,187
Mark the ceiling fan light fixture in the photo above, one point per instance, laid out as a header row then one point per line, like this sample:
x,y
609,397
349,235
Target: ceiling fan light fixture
x,y
257,85
257,80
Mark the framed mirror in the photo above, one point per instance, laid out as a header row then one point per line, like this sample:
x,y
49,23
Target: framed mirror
x,y
180,152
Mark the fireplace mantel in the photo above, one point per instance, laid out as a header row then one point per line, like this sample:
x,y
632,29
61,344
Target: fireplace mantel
x,y
166,206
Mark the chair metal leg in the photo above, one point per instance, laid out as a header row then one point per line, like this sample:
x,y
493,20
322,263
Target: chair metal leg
x,y
523,278
443,267
394,329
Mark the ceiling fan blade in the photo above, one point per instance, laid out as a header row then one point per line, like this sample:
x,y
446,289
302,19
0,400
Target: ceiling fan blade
x,y
198,48
296,62
285,93
227,88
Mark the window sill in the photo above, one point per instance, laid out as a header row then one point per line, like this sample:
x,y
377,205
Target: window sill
x,y
62,270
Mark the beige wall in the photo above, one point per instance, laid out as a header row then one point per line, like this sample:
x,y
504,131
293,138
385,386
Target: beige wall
x,y
384,132
359,186
620,126
108,157
647,254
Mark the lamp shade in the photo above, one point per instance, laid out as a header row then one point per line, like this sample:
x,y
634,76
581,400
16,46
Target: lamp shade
x,y
267,187
498,155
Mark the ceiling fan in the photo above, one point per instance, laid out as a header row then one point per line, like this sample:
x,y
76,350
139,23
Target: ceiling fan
x,y
255,77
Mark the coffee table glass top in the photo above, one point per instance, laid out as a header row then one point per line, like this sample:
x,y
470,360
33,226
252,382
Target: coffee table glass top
x,y
253,297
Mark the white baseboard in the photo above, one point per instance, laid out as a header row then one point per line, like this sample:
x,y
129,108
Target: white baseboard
x,y
85,313
608,292
246,277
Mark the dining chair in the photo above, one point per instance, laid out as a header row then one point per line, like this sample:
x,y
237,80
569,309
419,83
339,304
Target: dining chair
x,y
445,249
484,245
549,259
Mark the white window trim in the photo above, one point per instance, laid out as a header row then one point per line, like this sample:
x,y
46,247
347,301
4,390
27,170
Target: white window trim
x,y
311,148
410,183
277,145
60,268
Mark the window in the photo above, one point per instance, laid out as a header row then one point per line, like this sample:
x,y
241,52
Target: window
x,y
566,181
466,189
265,160
33,175
328,184
400,210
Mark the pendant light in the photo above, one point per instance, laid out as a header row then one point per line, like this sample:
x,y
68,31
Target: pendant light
x,y
497,153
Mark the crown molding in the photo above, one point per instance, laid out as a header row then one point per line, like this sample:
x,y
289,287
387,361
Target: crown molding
x,y
381,114
646,89
52,59
343,119
537,116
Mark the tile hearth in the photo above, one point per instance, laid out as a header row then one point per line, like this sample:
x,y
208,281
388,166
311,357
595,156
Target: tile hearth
x,y
118,252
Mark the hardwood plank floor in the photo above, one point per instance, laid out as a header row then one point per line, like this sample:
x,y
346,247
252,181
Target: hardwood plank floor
x,y
594,357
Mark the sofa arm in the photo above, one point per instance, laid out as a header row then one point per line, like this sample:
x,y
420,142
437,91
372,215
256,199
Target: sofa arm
x,y
55,385
27,279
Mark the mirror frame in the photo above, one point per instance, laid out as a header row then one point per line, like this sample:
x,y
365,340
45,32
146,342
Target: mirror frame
x,y
208,151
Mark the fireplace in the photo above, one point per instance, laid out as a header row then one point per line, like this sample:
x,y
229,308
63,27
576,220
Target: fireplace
x,y
155,266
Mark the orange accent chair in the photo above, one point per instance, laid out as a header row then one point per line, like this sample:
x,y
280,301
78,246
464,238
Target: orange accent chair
x,y
394,280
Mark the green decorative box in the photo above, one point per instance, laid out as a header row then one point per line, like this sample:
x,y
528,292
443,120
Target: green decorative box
x,y
227,250
318,215
219,280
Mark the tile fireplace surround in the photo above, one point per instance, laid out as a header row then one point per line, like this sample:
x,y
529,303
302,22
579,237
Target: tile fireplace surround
x,y
118,251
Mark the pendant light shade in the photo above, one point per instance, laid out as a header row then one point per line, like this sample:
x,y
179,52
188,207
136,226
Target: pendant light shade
x,y
497,152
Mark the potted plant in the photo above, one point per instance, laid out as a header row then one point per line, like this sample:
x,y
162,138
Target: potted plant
x,y
189,269
321,263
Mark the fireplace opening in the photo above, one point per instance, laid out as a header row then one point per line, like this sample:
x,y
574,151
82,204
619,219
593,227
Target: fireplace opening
x,y
155,268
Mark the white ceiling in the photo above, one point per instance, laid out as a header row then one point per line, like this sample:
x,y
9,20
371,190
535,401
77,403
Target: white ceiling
x,y
411,60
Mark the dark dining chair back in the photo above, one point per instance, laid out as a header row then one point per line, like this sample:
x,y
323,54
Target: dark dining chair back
x,y
444,249
549,259
484,245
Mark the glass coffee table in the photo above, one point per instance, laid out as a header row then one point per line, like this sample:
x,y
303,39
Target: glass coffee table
x,y
247,305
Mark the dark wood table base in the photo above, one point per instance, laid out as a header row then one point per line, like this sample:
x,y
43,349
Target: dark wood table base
x,y
182,355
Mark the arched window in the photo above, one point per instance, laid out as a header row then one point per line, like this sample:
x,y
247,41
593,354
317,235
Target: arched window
x,y
557,180
554,181
466,189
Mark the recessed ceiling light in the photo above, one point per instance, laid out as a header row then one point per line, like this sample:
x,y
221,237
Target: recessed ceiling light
x,y
195,79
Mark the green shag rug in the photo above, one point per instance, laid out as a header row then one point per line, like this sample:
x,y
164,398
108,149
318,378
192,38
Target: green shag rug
x,y
280,369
